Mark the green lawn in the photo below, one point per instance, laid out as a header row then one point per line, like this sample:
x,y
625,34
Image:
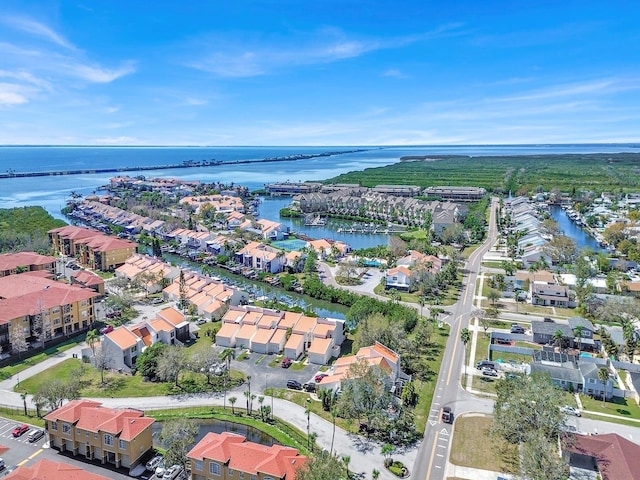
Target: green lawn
x,y
6,372
482,347
473,446
426,389
300,398
206,336
120,385
404,296
492,264
625,408
276,361
484,384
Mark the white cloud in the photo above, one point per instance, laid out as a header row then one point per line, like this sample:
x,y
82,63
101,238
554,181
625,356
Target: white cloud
x,y
38,29
395,73
112,109
239,58
15,94
99,74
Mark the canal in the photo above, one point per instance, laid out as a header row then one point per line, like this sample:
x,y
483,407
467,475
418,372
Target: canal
x,y
260,289
570,229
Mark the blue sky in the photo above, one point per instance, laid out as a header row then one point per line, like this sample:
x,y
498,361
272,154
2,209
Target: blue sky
x,y
318,72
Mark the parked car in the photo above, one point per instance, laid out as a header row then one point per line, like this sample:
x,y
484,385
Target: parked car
x,y
220,369
309,387
2,464
318,378
107,329
160,469
489,372
517,329
18,430
569,410
172,472
201,321
294,384
484,363
286,362
114,314
35,435
154,462
447,415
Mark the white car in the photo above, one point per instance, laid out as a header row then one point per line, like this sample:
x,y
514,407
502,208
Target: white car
x,y
154,463
569,410
160,470
172,472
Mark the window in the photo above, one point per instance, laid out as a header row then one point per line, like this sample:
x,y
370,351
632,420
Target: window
x,y
54,425
214,468
108,439
230,471
66,428
241,475
87,433
95,434
122,444
134,349
253,477
198,465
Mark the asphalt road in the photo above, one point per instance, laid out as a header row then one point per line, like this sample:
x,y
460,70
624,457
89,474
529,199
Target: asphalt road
x,y
431,462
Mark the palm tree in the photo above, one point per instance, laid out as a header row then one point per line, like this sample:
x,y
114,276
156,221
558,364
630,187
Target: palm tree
x,y
226,356
346,459
232,401
465,336
604,375
375,474
247,395
557,338
261,401
578,333
92,338
333,433
421,302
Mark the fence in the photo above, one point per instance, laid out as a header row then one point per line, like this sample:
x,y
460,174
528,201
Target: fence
x,y
13,410
512,349
629,367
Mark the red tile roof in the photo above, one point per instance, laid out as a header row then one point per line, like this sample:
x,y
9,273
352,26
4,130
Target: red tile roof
x,y
49,470
253,458
88,278
91,416
9,261
617,457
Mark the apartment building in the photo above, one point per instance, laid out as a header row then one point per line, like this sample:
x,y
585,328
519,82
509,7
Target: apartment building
x,y
38,309
91,248
228,456
12,263
117,436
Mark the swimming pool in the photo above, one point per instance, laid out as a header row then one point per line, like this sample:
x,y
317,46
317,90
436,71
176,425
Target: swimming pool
x,y
291,244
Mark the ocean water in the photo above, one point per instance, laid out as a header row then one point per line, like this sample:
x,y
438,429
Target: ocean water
x,y
52,192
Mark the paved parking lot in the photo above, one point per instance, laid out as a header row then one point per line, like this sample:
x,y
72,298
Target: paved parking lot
x,y
263,376
21,452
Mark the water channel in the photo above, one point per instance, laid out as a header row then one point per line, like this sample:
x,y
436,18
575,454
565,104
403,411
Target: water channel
x,y
260,289
570,229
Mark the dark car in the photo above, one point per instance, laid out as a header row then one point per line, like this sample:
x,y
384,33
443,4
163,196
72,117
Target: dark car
x,y
309,387
19,430
447,415
114,314
294,384
286,362
484,363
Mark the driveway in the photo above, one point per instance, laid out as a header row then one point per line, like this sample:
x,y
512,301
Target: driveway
x,y
263,376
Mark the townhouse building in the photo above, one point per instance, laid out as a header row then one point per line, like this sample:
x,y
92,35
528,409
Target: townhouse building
x,y
229,456
50,470
120,437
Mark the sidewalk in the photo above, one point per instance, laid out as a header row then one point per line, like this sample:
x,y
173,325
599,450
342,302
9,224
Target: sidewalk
x,y
365,454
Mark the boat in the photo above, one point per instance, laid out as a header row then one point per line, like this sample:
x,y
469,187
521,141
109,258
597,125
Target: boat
x,y
314,220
